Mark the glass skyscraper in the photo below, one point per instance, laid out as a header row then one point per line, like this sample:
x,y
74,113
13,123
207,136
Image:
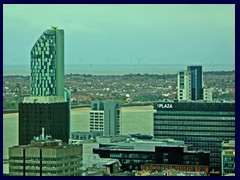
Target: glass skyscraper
x,y
49,104
47,64
196,82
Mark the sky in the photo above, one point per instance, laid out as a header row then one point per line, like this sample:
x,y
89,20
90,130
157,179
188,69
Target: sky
x,y
124,34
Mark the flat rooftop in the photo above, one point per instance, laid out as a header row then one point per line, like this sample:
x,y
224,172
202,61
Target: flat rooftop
x,y
43,99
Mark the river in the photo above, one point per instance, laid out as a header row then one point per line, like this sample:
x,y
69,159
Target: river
x,y
135,119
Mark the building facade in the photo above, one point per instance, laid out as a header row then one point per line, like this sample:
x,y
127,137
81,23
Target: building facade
x,y
45,158
174,170
228,158
47,64
201,125
196,82
106,116
190,84
207,94
184,85
49,112
132,157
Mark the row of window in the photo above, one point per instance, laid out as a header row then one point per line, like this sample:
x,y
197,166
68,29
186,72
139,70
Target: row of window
x,y
227,171
132,161
15,170
192,118
195,128
160,132
44,158
196,123
196,113
37,165
229,159
228,165
137,156
96,122
203,137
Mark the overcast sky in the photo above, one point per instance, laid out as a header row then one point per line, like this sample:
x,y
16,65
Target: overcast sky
x,y
124,34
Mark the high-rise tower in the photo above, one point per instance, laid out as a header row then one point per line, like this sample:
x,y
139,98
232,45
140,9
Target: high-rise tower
x,y
190,84
184,85
196,82
47,64
49,105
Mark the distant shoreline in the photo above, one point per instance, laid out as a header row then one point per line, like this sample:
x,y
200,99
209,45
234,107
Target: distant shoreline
x,y
136,73
120,69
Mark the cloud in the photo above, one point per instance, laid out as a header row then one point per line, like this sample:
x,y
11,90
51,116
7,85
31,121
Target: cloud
x,y
173,31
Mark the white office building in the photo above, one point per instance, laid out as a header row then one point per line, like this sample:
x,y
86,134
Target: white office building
x,y
106,116
184,85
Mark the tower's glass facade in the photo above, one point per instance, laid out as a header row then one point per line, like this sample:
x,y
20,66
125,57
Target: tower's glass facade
x,y
196,82
47,64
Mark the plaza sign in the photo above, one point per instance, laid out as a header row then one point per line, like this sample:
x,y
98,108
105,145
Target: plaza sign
x,y
164,106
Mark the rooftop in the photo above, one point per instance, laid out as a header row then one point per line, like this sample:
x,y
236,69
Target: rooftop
x,y
229,144
143,145
43,99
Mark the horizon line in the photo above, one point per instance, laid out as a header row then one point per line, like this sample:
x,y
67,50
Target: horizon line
x,y
194,64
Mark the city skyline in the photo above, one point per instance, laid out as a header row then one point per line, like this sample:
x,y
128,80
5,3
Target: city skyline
x,y
125,34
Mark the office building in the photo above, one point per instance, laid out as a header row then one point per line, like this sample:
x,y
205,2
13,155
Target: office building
x,y
46,79
190,84
47,64
228,158
133,153
49,112
106,116
92,164
201,125
196,82
45,157
184,85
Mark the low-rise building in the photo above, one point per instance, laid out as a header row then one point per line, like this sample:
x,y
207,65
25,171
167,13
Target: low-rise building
x,y
134,153
79,135
45,157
